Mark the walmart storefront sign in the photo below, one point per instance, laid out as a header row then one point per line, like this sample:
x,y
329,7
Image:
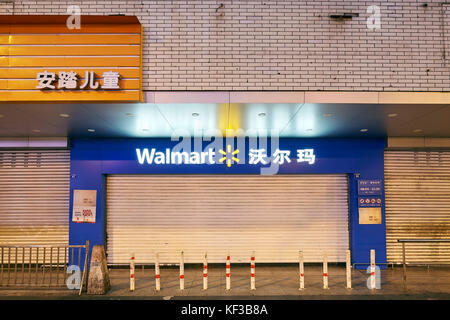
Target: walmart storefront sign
x,y
146,156
228,156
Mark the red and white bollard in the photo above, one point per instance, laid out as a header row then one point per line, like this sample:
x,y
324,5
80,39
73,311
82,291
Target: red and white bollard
x,y
252,272
302,271
205,272
157,275
372,269
182,271
228,273
132,279
325,271
348,265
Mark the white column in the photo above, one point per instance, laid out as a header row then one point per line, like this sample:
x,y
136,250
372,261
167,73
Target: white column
x,y
348,264
372,269
157,275
252,272
205,272
228,272
325,271
302,271
132,279
182,270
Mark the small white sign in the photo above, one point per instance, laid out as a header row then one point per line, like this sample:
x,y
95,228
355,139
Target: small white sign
x,y
84,206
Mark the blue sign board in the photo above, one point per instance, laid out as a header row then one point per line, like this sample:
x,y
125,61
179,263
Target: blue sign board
x,y
370,187
93,159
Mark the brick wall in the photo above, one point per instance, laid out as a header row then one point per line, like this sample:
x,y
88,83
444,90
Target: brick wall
x,y
281,45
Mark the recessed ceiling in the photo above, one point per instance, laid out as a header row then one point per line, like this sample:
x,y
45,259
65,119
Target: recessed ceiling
x,y
165,120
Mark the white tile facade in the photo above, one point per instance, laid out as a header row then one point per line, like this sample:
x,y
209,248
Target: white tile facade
x,y
281,45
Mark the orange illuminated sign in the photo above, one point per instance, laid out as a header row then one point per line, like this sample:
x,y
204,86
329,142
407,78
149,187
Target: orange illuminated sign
x,y
41,59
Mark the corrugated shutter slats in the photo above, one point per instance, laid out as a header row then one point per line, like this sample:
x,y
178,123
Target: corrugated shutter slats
x,y
273,215
34,197
418,204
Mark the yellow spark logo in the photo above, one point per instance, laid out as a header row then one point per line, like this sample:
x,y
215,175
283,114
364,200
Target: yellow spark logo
x,y
229,158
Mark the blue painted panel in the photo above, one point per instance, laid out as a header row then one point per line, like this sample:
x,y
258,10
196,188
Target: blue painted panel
x,y
93,159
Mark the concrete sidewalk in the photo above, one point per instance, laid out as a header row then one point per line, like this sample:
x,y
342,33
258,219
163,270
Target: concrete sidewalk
x,y
272,282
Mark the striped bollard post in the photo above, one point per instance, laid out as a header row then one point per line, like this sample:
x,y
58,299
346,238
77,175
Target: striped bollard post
x,y
302,271
157,275
132,272
372,269
252,272
325,271
205,272
348,266
182,271
228,273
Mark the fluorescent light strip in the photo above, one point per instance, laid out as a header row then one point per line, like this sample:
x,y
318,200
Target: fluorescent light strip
x,y
33,142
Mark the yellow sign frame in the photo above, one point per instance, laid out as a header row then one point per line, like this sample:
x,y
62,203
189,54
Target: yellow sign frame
x,y
33,44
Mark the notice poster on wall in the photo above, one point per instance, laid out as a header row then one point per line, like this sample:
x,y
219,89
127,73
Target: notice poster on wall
x,y
369,215
84,205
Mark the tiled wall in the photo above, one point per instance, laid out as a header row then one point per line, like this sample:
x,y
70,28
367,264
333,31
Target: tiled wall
x,y
282,45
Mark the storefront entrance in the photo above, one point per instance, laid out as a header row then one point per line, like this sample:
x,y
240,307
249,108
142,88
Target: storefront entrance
x,y
418,205
34,196
275,216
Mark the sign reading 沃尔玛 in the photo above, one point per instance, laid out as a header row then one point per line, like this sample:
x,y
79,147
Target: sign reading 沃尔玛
x,y
84,206
41,59
370,187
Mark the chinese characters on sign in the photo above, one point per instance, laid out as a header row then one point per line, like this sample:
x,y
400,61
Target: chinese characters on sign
x,y
69,80
370,201
256,156
369,215
369,187
281,156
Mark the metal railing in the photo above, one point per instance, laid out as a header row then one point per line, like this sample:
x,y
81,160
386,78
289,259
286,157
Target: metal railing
x,y
41,266
403,242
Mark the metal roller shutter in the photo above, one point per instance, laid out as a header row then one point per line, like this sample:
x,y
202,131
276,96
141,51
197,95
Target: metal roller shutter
x,y
417,204
273,215
34,197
